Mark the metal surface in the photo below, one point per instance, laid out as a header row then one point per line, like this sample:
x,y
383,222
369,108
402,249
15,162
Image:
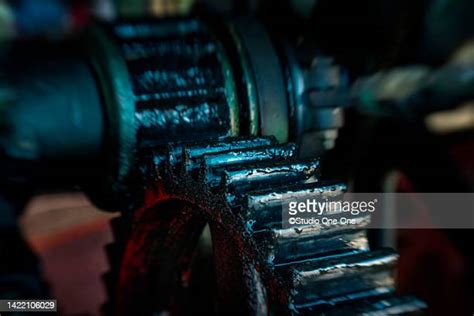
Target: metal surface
x,y
115,84
181,83
317,92
162,81
46,116
260,267
266,72
173,94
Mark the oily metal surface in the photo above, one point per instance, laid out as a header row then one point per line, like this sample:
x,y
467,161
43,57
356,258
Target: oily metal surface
x,y
238,187
162,81
181,81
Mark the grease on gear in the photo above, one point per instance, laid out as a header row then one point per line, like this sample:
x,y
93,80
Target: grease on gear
x,y
237,186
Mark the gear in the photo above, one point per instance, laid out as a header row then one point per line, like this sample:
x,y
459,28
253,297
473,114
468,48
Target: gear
x,y
238,186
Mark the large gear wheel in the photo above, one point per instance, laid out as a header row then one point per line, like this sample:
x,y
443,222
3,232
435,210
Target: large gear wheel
x,y
237,187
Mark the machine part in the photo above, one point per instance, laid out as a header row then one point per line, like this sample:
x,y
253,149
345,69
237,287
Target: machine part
x,y
51,117
265,74
173,92
318,91
168,81
181,80
246,89
114,82
161,81
238,186
72,126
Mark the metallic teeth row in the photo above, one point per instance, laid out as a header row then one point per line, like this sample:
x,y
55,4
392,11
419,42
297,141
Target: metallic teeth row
x,y
329,270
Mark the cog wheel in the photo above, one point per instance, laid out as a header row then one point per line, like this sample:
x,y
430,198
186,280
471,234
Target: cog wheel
x,y
237,186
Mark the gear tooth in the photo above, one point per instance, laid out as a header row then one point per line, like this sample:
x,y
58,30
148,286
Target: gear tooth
x,y
247,156
195,151
187,163
378,304
264,211
264,175
339,275
174,155
263,206
120,227
295,244
220,148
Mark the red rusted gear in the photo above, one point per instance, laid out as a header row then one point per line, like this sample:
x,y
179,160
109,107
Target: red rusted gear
x,y
237,186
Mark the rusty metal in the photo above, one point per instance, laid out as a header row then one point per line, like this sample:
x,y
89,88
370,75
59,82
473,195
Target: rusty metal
x,y
238,186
